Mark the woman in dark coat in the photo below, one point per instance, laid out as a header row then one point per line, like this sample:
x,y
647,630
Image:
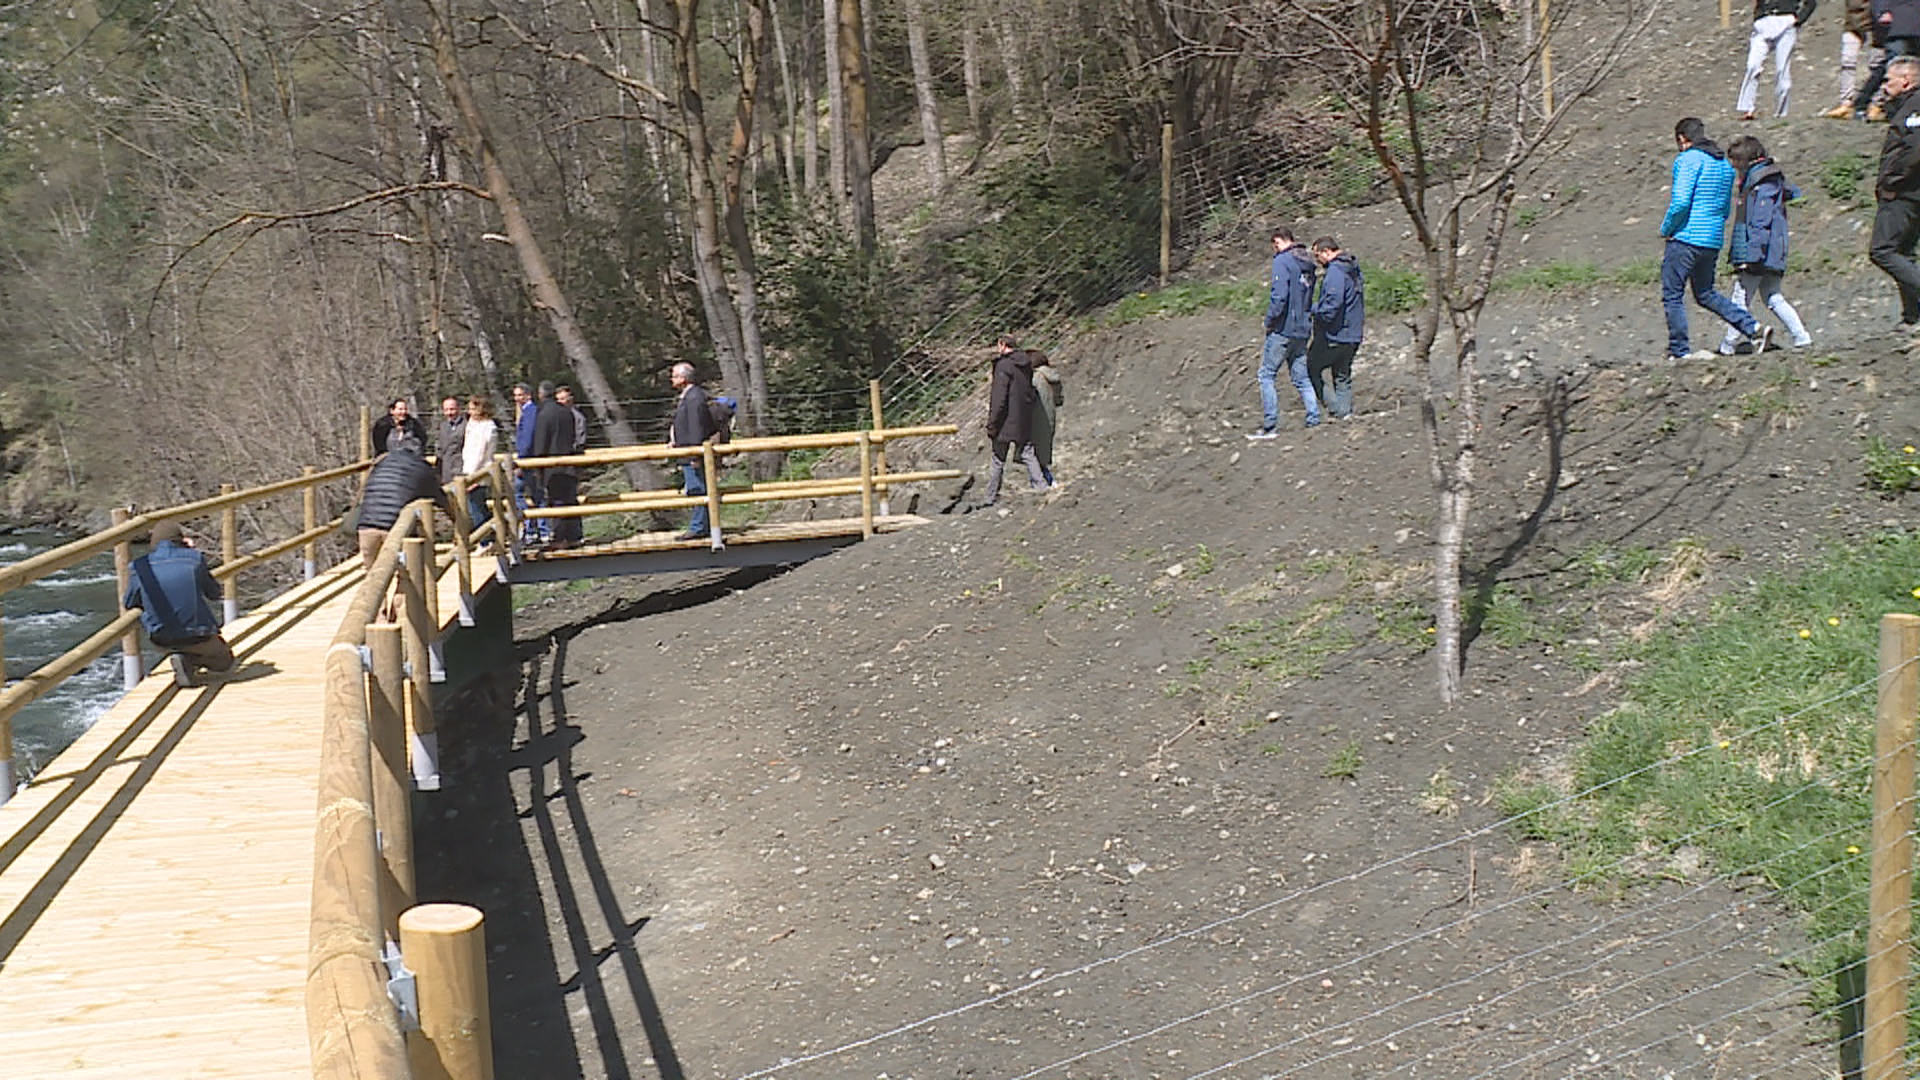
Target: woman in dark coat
x,y
1010,417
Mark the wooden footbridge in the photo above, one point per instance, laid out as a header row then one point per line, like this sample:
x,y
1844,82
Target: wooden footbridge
x,y
218,881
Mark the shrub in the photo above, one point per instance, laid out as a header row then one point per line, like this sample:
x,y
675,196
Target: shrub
x,y
1841,174
1890,469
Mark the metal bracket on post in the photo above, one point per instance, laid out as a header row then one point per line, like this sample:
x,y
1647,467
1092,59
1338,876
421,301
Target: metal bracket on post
x,y
366,658
401,989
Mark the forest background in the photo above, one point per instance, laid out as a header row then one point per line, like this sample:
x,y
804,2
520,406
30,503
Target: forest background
x,y
229,224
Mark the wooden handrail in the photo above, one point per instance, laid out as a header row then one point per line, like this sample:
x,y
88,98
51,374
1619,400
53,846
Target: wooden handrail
x,y
19,695
634,502
78,551
272,551
661,452
353,1031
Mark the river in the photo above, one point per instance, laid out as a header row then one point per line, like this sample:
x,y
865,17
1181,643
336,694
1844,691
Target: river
x,y
45,619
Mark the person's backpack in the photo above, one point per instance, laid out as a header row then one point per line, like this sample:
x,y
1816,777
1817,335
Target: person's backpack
x,y
720,411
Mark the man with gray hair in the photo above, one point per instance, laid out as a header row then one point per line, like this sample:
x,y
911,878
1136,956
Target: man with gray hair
x,y
1896,222
692,426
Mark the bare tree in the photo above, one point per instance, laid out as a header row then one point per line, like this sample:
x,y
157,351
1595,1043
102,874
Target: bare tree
x,y
929,106
858,127
1449,98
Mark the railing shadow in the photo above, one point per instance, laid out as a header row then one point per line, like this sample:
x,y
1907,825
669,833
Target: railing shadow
x,y
514,836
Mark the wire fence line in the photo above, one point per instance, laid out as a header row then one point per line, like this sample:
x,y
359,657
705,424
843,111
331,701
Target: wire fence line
x,y
1702,969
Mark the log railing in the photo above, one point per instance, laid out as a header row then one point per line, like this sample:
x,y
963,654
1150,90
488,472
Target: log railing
x,y
118,538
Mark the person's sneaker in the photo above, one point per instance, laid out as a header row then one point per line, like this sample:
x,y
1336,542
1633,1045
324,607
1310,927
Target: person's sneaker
x,y
1746,116
1762,340
1264,433
182,670
1805,344
1842,111
1699,354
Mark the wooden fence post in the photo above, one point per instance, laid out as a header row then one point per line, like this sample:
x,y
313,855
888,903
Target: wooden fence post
x,y
504,528
1166,203
229,552
7,780
392,809
866,486
131,669
1546,59
1890,899
463,549
366,421
880,448
310,513
710,463
445,946
426,741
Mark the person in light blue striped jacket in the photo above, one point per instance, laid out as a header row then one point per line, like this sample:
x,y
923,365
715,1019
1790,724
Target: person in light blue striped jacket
x,y
1694,229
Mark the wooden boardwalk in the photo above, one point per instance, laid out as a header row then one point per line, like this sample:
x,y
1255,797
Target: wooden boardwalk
x,y
155,879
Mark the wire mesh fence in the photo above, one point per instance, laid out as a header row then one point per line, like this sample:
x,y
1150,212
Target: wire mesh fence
x,y
1647,965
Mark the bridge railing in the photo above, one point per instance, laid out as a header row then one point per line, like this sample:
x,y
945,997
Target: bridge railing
x,y
124,628
367,940
873,485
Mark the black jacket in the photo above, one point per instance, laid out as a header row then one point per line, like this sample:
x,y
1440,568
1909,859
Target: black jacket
x,y
392,483
1801,10
1010,404
1900,153
552,430
383,433
453,443
1902,19
692,423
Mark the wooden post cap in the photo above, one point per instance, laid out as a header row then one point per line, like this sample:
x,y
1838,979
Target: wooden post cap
x,y
440,918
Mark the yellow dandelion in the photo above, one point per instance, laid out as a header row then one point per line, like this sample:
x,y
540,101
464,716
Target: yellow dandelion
x,y
1916,592
1724,743
1806,633
1833,620
1906,449
1853,849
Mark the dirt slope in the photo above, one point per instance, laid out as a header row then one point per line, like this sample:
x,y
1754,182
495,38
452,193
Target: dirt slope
x,y
1145,770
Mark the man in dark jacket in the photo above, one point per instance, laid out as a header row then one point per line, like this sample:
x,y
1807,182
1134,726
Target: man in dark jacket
x,y
1896,30
1010,418
1288,327
453,438
1776,26
394,481
396,425
692,426
174,592
527,489
1896,223
1339,317
553,437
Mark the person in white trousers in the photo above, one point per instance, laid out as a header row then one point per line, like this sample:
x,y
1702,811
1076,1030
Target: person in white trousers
x,y
1776,26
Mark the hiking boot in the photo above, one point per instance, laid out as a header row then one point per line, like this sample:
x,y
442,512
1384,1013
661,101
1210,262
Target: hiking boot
x,y
1876,114
182,670
1263,433
1746,116
1842,111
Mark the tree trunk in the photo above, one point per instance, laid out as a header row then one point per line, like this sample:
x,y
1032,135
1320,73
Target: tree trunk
x,y
836,107
858,137
710,279
737,185
936,155
1011,62
790,129
533,261
970,71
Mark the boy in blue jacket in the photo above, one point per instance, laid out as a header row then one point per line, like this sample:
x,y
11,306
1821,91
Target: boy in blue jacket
x,y
1758,250
1338,318
1694,228
1288,326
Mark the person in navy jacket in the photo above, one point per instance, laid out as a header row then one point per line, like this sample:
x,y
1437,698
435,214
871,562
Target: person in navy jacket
x,y
1339,317
1758,249
1288,326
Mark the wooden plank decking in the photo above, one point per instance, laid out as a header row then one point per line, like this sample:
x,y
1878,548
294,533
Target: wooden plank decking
x,y
155,879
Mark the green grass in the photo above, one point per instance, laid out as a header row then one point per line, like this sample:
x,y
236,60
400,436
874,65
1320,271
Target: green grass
x,y
1603,564
1548,277
1389,292
1286,648
1890,468
1841,176
1747,738
1344,764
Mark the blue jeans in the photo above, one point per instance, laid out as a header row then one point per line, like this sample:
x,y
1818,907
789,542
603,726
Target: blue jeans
x,y
1685,266
1292,354
696,485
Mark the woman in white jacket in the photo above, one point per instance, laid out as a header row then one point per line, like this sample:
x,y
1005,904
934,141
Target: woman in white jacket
x,y
477,453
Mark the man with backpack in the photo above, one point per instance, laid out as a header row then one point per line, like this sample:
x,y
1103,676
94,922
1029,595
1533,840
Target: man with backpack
x,y
693,425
